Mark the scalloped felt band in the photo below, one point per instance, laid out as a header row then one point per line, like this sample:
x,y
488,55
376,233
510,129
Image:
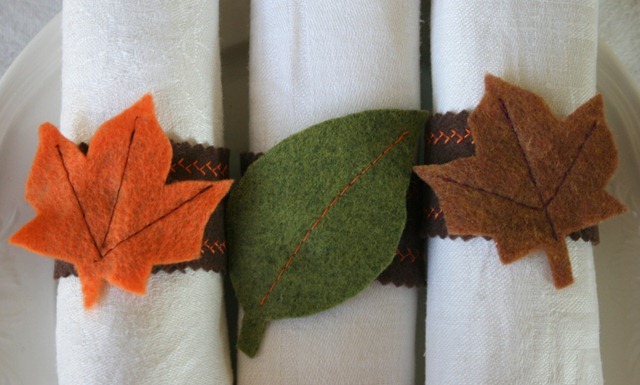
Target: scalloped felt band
x,y
189,162
448,137
198,163
407,268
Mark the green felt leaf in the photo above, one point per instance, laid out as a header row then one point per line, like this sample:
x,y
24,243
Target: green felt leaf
x,y
317,218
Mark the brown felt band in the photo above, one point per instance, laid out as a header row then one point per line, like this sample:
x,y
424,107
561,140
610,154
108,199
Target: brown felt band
x,y
447,138
407,268
189,163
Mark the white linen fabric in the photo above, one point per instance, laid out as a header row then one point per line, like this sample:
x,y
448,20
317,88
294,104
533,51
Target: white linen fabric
x,y
114,52
312,60
315,60
368,339
488,323
176,334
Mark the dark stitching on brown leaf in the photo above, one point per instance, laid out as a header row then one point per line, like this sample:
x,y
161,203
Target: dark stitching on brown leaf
x,y
505,197
399,139
529,169
433,219
573,162
75,194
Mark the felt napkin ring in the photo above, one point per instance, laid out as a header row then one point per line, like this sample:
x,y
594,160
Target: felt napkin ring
x,y
513,172
447,138
407,268
319,217
189,162
109,210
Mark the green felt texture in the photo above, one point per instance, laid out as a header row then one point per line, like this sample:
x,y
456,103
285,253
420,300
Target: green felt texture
x,y
331,201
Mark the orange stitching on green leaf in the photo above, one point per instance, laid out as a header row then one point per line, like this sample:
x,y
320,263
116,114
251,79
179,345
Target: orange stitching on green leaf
x,y
399,139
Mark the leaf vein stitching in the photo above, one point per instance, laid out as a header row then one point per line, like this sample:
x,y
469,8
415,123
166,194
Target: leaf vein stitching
x,y
84,215
529,169
324,213
573,162
496,194
124,170
158,219
75,194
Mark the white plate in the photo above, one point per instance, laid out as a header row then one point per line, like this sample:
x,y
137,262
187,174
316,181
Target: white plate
x,y
30,95
618,255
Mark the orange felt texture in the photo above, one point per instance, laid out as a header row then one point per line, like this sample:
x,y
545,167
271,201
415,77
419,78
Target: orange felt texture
x,y
534,179
111,213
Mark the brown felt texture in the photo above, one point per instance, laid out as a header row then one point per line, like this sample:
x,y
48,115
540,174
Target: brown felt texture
x,y
448,138
534,178
110,212
407,268
189,162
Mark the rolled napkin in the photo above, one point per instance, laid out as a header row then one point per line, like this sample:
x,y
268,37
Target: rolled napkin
x,y
114,52
311,61
489,323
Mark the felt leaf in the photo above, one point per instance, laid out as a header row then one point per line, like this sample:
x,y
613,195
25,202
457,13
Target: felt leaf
x,y
111,213
534,179
317,218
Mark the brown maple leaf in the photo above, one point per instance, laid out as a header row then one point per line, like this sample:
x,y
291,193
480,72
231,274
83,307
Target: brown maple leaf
x,y
535,178
111,213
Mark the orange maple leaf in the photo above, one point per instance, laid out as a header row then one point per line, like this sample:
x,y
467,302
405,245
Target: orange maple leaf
x,y
111,213
534,179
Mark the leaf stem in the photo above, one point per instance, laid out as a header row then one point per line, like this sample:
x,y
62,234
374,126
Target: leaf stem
x,y
558,259
251,334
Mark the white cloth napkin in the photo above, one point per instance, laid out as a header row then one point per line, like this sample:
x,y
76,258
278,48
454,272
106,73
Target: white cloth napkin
x,y
488,323
312,60
115,51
